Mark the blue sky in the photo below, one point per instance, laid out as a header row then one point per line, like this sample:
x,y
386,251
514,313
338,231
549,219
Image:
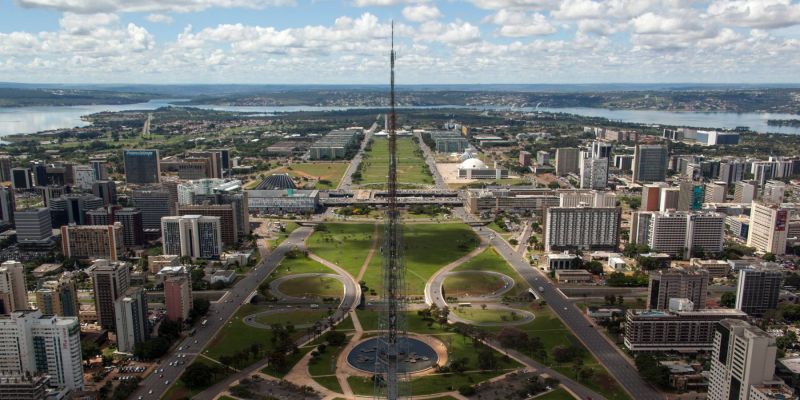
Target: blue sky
x,y
455,41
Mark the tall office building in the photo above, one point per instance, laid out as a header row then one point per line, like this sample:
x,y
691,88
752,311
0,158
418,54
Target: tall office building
x,y
84,177
600,149
584,228
154,205
237,200
142,166
731,172
669,198
768,228
106,190
58,297
567,161
677,283
758,290
13,291
178,297
762,172
192,236
679,233
773,192
715,192
130,311
32,343
690,196
745,191
100,168
132,226
111,280
5,168
525,158
93,241
226,213
7,206
743,364
542,157
594,173
651,196
649,163
33,226
215,166
21,178
591,198
51,192
225,158
100,216
72,208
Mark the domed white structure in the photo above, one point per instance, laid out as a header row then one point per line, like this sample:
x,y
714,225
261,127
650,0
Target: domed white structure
x,y
472,163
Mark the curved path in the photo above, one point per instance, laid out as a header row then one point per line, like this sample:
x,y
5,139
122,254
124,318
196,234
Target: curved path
x,y
252,319
526,316
274,286
507,280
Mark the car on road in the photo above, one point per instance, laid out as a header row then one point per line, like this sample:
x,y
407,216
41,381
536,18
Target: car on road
x,y
166,382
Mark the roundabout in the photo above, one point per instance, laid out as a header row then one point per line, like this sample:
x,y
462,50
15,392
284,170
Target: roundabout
x,y
476,285
308,287
417,354
301,319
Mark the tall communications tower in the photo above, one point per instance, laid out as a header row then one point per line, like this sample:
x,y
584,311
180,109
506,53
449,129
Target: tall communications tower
x,y
391,380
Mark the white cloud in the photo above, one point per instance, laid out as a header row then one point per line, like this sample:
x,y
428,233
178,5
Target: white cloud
x,y
457,33
518,23
84,24
515,4
159,18
578,9
421,13
124,6
766,14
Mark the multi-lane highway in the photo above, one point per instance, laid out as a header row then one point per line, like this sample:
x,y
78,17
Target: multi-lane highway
x,y
575,320
347,178
158,382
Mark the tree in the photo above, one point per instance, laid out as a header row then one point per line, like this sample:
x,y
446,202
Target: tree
x,y
169,329
595,267
198,376
769,257
89,349
728,299
200,308
335,338
562,353
651,370
486,359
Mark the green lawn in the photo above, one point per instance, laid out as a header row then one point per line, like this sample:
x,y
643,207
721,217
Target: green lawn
x,y
312,286
329,382
326,363
300,265
411,167
345,245
428,248
320,172
281,236
489,260
295,317
429,384
500,231
236,336
557,394
480,315
472,284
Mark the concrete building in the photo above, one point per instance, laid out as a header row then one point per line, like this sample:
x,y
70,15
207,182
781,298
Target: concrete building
x,y
542,157
758,289
690,196
227,195
111,280
33,226
58,297
715,268
178,297
649,163
773,192
71,208
594,173
283,201
142,166
474,168
194,236
335,145
745,191
590,198
651,196
562,261
743,363
731,171
33,344
130,312
84,177
670,196
93,241
567,161
584,228
525,158
478,201
715,192
738,225
106,190
154,205
157,263
226,213
8,205
679,233
212,160
600,149
623,162
5,168
677,283
674,331
768,228
132,226
21,387
13,291
762,172
21,178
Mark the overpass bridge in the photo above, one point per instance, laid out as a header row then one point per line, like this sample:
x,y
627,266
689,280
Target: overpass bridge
x,y
338,198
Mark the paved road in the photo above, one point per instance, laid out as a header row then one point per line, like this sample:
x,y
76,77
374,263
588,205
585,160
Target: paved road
x,y
347,179
154,385
576,321
431,161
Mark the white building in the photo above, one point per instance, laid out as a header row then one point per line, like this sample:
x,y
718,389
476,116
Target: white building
x,y
715,192
586,228
194,236
31,343
594,173
591,198
745,191
679,233
130,311
13,292
773,192
742,362
768,228
84,176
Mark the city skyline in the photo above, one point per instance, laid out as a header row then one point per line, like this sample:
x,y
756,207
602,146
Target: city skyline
x,y
477,41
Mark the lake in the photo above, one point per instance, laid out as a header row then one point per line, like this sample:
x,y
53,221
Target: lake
x,y
14,120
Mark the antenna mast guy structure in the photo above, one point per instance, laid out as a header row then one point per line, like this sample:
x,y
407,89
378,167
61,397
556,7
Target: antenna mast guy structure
x,y
391,380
